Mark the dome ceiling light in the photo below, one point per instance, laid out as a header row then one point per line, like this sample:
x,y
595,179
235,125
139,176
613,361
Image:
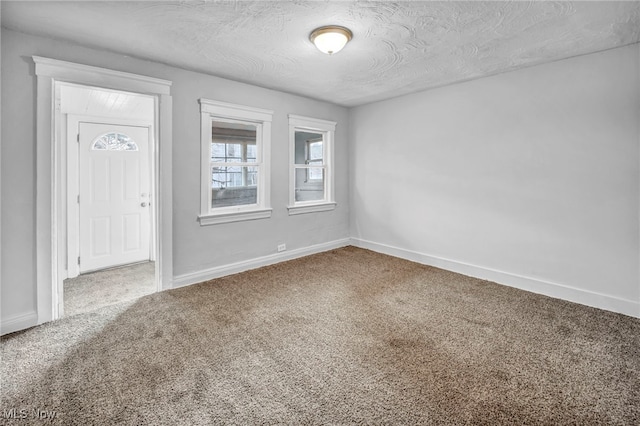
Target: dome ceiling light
x,y
331,38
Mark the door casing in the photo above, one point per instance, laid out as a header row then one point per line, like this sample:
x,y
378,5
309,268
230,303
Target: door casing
x,y
50,250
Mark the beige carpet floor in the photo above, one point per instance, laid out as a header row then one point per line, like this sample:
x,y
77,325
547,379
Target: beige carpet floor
x,y
95,290
343,337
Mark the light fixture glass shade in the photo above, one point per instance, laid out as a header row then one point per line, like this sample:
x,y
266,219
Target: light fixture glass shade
x,y
330,39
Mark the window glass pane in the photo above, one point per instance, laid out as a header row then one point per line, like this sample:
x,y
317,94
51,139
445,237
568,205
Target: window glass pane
x,y
315,151
309,189
308,146
114,142
233,142
315,173
234,185
252,153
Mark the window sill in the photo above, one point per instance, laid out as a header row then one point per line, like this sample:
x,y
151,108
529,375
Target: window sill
x,y
215,219
311,208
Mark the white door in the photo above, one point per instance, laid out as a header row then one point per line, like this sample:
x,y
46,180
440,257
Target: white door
x,y
114,195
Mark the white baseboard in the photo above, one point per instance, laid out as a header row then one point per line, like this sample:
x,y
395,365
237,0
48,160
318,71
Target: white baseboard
x,y
245,265
19,322
534,285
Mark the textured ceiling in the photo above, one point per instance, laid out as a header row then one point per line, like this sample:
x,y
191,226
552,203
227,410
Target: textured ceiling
x,y
398,47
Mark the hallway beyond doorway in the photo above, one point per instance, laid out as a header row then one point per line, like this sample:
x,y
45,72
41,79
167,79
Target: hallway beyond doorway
x,y
102,288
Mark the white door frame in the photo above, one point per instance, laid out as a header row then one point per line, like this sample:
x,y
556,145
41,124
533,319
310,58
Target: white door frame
x,y
50,188
73,188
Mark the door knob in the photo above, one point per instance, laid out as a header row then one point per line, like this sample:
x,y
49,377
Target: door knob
x,y
143,204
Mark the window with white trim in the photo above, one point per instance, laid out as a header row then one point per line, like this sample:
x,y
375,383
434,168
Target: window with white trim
x,y
236,145
311,187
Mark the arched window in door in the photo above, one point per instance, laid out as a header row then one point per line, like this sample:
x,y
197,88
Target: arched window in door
x,y
114,142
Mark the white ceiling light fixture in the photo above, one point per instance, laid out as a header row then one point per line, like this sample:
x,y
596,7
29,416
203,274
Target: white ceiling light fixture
x,y
331,38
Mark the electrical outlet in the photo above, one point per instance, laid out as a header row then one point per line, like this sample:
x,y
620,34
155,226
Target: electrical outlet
x,y
282,247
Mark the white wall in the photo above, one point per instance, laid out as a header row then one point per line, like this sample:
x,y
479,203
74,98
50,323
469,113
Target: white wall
x,y
529,178
196,249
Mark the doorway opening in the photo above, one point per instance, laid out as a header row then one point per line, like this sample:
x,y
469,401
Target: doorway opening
x,y
93,290
51,199
108,186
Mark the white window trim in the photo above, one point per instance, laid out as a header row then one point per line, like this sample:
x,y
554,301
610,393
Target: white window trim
x,y
327,129
262,118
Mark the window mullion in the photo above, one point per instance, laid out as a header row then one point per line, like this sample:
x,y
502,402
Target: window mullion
x,y
244,170
221,164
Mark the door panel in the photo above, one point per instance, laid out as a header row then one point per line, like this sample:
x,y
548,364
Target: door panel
x,y
131,179
100,179
131,232
114,187
100,236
